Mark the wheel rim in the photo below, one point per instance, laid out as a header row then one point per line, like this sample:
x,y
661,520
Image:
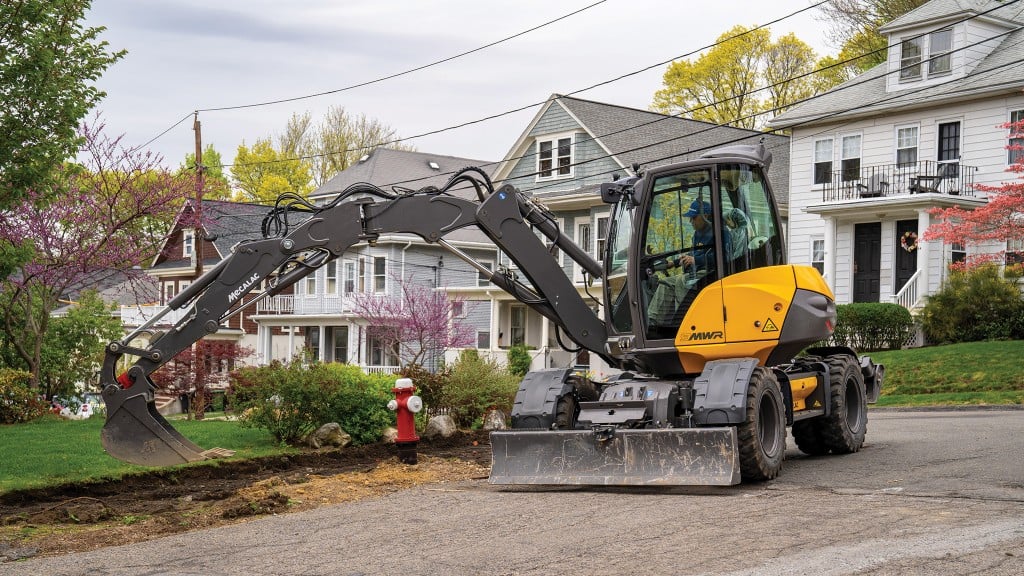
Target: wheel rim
x,y
768,425
854,406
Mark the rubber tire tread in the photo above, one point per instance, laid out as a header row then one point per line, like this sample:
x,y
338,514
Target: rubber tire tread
x,y
836,433
755,464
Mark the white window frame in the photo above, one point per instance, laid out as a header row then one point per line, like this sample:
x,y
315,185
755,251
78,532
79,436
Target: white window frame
x,y
817,255
309,285
555,172
480,280
459,309
349,278
819,158
188,243
511,315
944,55
903,144
332,285
601,236
584,239
380,279
169,291
1015,156
843,155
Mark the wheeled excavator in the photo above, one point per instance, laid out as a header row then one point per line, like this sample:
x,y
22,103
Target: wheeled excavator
x,y
715,342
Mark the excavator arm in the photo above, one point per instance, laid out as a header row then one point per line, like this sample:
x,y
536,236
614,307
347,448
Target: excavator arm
x,y
135,432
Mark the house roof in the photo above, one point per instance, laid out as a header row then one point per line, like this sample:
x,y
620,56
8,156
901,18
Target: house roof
x,y
228,223
397,170
1000,72
633,136
937,10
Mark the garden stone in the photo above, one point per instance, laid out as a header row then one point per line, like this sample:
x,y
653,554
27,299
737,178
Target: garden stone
x,y
442,426
329,434
494,420
390,434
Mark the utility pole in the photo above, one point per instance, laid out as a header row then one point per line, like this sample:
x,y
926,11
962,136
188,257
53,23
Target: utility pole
x,y
198,209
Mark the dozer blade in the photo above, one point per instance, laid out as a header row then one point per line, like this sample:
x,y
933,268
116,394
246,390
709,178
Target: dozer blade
x,y
136,433
629,457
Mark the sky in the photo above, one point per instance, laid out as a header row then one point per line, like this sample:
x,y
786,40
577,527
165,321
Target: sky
x,y
185,55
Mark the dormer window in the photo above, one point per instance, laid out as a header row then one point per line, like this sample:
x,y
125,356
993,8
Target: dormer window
x,y
554,158
936,48
188,243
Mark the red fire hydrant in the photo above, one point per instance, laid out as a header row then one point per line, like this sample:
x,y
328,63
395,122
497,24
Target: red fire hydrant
x,y
406,404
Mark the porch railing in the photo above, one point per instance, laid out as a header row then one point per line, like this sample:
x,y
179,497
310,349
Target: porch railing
x,y
909,295
886,180
139,315
289,304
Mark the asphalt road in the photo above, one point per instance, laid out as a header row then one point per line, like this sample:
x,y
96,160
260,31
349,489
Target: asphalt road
x,y
933,492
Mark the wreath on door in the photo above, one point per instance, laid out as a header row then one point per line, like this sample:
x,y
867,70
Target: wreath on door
x,y
909,241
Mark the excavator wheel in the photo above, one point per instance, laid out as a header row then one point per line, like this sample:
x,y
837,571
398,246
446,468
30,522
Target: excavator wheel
x,y
568,405
762,437
843,430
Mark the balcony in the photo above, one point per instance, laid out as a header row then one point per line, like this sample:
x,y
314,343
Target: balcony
x,y
133,316
302,305
890,180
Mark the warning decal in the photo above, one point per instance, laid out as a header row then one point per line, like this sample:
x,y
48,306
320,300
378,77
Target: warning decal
x,y
769,326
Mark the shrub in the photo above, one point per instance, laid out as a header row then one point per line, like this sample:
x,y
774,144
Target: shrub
x,y
519,360
972,306
429,385
291,400
18,402
872,326
475,386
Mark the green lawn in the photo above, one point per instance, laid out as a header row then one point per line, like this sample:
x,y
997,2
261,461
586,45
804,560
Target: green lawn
x,y
971,373
53,451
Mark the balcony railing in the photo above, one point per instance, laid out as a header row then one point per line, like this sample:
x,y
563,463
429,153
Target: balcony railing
x,y
887,180
319,304
139,315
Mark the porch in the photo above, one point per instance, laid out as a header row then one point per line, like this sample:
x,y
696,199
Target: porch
x,y
891,180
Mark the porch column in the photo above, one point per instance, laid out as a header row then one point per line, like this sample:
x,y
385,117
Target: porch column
x,y
291,342
495,325
924,253
323,344
830,252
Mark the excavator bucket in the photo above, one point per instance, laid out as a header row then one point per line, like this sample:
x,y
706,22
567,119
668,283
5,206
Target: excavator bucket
x,y
135,432
620,457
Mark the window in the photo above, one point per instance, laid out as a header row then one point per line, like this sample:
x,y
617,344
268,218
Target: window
x,y
602,236
1015,153
910,58
949,147
822,161
482,278
1014,251
850,161
906,146
380,267
350,277
188,243
940,44
583,239
381,354
337,336
957,253
313,342
168,292
554,158
818,254
311,284
458,309
517,325
331,277
361,282
483,340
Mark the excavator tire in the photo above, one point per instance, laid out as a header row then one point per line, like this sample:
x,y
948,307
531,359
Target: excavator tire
x,y
762,437
568,406
843,430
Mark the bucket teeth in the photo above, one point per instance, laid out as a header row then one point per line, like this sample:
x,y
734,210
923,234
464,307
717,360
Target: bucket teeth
x,y
643,457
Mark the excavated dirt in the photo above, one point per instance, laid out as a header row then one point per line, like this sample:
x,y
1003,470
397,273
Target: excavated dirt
x,y
79,517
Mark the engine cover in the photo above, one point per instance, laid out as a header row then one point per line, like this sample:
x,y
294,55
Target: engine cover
x,y
633,404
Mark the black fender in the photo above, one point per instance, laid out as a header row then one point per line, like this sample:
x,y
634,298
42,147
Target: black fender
x,y
721,392
537,399
873,373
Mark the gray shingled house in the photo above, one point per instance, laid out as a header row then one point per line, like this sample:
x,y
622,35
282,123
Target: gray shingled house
x,y
873,156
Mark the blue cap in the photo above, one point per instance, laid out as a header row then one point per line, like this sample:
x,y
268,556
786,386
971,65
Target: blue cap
x,y
697,208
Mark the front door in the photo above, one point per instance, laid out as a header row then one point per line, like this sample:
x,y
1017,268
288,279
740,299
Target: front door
x,y
867,262
906,262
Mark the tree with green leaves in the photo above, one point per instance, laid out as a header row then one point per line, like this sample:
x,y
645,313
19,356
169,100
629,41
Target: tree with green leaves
x,y
262,173
216,185
854,27
742,81
74,345
49,63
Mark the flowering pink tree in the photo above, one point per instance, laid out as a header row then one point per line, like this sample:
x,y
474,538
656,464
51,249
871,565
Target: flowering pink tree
x,y
1001,220
97,220
418,323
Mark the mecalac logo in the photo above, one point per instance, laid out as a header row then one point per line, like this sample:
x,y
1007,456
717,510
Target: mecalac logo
x,y
712,335
237,292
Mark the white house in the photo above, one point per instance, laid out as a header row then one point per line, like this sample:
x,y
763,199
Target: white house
x,y
873,156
